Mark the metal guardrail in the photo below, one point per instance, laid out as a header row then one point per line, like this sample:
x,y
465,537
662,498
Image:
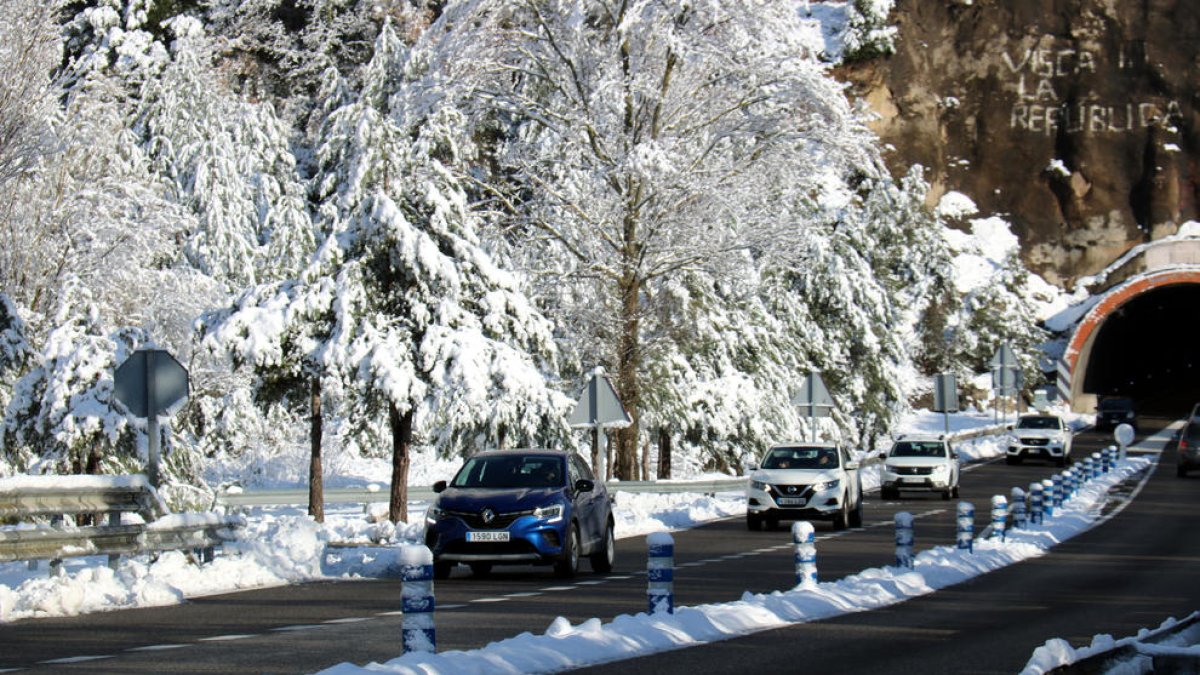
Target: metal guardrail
x,y
1164,659
380,493
160,530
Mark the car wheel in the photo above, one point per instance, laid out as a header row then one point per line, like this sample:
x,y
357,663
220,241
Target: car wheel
x,y
602,560
1181,471
955,490
753,522
1012,461
946,494
481,569
856,516
568,562
843,516
441,569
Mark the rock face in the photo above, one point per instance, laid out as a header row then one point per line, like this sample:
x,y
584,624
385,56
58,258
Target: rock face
x,y
1075,119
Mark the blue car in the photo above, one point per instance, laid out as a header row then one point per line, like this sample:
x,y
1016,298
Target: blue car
x,y
506,507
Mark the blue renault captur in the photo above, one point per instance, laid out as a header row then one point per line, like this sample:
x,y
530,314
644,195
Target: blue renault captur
x,y
511,507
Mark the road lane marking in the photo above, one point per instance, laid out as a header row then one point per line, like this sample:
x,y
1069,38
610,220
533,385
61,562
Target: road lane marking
x,y
296,628
226,638
528,594
592,583
73,659
153,648
483,600
351,619
619,578
402,613
439,607
559,588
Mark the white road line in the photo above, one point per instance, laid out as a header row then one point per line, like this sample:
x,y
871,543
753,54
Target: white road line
x,y
297,628
529,594
619,578
439,607
691,564
226,638
351,619
74,659
559,588
151,648
595,582
483,600
402,613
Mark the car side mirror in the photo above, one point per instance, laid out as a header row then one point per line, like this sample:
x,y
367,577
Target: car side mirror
x,y
439,486
584,485
954,455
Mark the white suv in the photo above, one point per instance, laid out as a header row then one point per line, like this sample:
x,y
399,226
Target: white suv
x,y
925,463
803,481
1039,437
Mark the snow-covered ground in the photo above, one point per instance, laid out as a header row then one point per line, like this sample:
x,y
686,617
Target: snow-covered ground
x,y
1182,639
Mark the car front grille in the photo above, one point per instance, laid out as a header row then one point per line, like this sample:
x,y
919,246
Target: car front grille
x,y
914,470
1035,442
793,490
500,521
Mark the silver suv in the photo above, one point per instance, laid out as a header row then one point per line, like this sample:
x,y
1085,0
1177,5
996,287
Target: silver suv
x,y
921,463
803,481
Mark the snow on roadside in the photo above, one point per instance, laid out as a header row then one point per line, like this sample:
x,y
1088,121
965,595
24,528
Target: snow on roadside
x,y
564,646
1058,652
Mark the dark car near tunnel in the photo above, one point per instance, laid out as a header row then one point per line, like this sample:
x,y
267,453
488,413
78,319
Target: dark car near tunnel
x,y
513,507
1114,411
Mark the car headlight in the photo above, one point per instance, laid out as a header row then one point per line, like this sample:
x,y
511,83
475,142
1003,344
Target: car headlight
x,y
941,470
758,485
433,514
891,468
551,514
828,485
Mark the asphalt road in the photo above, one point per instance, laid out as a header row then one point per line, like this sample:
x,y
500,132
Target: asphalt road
x,y
1134,571
304,628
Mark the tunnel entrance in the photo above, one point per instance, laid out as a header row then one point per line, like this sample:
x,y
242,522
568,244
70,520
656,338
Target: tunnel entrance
x,y
1149,349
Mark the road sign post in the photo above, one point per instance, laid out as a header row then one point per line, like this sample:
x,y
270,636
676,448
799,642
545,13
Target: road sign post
x,y
598,408
814,401
1006,375
945,396
151,383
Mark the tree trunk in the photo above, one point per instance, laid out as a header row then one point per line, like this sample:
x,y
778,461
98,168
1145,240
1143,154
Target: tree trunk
x,y
401,441
316,477
628,384
644,474
664,453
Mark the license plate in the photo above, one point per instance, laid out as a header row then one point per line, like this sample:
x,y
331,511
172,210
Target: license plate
x,y
911,479
487,536
791,501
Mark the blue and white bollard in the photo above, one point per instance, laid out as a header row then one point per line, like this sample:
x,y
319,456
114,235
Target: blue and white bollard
x,y
1089,469
1106,459
904,539
999,516
1036,503
660,573
1048,498
965,530
1017,505
1098,464
1069,484
805,540
1057,480
416,591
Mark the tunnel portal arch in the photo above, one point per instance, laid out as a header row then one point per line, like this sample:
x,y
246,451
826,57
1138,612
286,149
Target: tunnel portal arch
x,y
1142,339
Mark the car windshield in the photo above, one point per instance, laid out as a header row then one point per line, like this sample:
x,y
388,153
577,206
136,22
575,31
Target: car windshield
x,y
919,449
1034,422
510,471
1116,404
801,458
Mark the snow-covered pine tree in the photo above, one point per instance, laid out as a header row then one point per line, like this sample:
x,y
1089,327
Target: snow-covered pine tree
x,y
641,141
61,418
402,310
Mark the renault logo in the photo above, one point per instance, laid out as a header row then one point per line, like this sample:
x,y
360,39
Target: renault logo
x,y
488,516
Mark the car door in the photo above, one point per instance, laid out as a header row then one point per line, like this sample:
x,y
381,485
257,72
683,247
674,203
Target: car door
x,y
852,477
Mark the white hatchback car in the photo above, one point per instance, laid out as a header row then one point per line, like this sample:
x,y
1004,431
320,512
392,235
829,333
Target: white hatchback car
x,y
925,463
803,481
